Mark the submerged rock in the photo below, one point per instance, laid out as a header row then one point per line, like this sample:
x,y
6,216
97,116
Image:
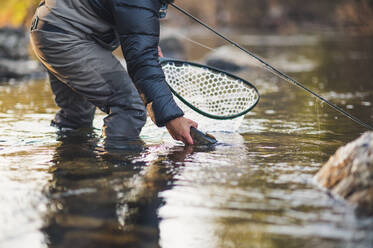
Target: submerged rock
x,y
349,173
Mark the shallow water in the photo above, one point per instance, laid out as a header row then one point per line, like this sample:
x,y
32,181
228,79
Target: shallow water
x,y
255,189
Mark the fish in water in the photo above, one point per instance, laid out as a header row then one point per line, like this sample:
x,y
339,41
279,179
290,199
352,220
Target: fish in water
x,y
200,138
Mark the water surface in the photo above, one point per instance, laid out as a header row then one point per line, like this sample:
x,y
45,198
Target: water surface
x,y
255,189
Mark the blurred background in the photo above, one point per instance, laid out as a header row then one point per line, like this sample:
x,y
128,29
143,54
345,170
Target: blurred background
x,y
284,16
236,18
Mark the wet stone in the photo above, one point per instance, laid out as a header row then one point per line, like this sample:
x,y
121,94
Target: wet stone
x,y
172,47
13,43
224,65
228,59
14,56
349,173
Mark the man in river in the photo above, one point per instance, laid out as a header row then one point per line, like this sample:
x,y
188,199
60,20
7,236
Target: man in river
x,y
74,39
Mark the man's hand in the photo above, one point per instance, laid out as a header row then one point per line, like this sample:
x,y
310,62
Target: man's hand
x,y
160,54
179,129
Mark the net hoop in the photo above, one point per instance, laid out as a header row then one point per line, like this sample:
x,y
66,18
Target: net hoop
x,y
167,61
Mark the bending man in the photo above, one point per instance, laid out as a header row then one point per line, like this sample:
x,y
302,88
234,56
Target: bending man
x,y
74,39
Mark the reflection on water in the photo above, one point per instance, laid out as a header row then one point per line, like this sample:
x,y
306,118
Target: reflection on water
x,y
107,200
255,189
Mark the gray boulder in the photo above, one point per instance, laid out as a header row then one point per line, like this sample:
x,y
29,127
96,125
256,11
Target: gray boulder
x,y
13,43
18,69
349,173
15,62
232,59
224,65
172,47
229,59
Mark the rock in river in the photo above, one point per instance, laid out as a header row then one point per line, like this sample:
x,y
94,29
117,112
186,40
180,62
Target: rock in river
x,y
229,59
14,55
13,43
349,173
172,47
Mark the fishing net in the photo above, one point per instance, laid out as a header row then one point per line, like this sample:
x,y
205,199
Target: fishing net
x,y
209,91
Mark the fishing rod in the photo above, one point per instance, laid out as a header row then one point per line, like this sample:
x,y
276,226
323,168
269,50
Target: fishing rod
x,y
274,70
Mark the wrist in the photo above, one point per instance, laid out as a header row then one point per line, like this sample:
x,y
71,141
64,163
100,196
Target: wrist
x,y
173,121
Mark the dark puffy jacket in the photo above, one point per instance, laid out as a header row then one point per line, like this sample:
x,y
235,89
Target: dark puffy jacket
x,y
137,24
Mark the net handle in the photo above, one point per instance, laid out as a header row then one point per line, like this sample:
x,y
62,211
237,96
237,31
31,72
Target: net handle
x,y
164,60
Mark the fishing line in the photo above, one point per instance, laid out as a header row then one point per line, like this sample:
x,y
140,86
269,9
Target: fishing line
x,y
196,42
274,70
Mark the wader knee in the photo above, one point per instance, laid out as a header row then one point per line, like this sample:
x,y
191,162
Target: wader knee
x,y
76,111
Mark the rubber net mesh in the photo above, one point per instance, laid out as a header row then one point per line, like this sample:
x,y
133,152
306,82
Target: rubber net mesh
x,y
211,92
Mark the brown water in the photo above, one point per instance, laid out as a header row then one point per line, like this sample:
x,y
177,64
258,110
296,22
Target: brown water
x,y
254,190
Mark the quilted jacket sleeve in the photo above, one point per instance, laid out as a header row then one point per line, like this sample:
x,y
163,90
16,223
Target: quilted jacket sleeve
x,y
137,24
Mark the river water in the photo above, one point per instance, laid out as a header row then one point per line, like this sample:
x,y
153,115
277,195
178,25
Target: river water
x,y
254,189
